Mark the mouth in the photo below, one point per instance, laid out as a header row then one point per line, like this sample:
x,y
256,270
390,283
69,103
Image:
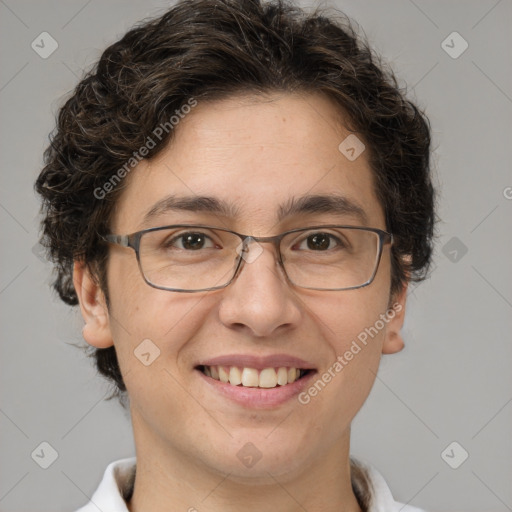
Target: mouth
x,y
247,377
255,381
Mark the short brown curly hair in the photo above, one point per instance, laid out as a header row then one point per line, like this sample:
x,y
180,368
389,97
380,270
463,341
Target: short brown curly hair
x,y
213,49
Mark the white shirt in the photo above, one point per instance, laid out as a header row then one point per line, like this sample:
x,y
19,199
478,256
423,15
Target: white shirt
x,y
118,480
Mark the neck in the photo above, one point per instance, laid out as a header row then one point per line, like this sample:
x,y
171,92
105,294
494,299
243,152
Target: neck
x,y
169,480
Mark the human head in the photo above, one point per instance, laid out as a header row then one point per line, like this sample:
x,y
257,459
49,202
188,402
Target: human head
x,y
211,50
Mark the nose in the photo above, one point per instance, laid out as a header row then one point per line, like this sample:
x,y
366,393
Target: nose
x,y
260,299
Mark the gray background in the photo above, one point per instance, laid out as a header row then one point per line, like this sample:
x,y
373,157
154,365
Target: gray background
x,y
453,380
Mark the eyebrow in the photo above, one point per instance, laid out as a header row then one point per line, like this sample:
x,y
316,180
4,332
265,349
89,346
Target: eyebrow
x,y
191,204
309,204
331,203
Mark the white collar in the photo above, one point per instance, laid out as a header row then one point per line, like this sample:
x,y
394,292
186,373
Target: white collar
x,y
118,478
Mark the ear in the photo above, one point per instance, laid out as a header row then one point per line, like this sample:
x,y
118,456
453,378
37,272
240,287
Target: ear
x,y
393,341
93,306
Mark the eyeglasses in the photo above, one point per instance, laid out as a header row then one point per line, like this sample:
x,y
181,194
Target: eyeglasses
x,y
190,258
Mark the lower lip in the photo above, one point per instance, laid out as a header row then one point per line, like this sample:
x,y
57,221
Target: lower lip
x,y
259,398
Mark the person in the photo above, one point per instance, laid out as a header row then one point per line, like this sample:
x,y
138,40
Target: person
x,y
237,196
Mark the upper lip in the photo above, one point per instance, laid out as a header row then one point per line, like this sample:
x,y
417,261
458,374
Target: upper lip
x,y
258,362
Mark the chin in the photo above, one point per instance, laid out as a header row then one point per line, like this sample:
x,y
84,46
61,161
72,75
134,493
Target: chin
x,y
255,457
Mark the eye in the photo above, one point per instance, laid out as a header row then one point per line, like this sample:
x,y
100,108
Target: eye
x,y
320,242
189,241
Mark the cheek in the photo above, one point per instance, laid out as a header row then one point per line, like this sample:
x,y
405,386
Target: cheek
x,y
355,337
139,311
349,316
353,330
150,329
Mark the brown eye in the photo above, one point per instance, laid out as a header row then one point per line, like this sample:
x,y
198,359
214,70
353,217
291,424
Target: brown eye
x,y
190,242
193,241
319,242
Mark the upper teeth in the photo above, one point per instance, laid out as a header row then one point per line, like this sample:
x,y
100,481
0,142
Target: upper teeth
x,y
250,377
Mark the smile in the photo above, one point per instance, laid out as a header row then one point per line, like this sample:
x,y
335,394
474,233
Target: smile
x,y
256,380
253,378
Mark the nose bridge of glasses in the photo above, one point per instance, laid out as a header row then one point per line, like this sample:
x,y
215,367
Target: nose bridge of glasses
x,y
250,247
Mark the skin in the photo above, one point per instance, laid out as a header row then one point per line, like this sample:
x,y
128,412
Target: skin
x,y
256,154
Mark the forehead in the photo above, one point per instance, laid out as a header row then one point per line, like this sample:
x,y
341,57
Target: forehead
x,y
257,158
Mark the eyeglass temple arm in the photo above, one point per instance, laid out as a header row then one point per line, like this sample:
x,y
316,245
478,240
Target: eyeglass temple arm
x,y
122,240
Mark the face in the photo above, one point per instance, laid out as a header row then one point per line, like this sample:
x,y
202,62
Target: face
x,y
256,156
